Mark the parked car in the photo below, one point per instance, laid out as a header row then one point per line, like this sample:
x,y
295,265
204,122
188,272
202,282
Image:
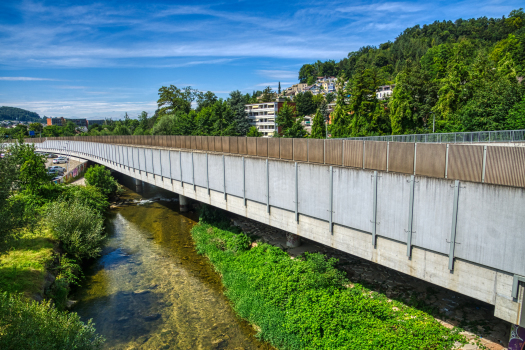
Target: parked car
x,y
56,178
54,171
51,155
60,160
57,168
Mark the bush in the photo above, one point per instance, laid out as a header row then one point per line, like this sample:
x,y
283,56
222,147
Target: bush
x,y
101,178
77,226
29,325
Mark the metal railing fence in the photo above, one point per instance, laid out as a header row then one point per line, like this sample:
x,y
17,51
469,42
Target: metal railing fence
x,y
454,137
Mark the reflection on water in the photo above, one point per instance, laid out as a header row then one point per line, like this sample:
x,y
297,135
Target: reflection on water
x,y
150,289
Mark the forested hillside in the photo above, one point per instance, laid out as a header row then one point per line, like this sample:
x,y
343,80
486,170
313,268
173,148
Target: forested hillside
x,y
13,113
467,74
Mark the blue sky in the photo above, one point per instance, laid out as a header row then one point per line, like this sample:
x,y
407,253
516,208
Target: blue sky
x,y
101,59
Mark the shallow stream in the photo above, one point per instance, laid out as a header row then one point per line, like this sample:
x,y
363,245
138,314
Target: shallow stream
x,y
150,289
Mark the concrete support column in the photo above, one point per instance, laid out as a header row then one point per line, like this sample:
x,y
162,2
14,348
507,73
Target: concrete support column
x,y
184,203
293,241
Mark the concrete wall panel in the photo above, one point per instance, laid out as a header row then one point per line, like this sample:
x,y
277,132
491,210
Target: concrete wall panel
x,y
165,163
134,157
505,166
300,150
273,147
393,193
314,190
233,175
175,165
286,148
353,198
375,155
215,167
187,168
490,226
157,162
282,184
433,203
353,153
316,151
142,159
149,160
465,162
199,163
334,152
255,179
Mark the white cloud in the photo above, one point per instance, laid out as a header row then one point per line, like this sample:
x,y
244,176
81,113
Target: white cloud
x,y
25,79
278,74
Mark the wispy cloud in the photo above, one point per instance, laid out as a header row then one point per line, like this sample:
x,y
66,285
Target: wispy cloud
x,y
278,74
25,79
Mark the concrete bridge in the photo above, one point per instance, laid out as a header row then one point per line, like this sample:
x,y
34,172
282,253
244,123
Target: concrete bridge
x,y
453,216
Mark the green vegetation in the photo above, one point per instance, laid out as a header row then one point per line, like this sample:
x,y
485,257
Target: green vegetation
x,y
306,303
77,226
100,177
29,325
289,122
464,75
19,114
44,228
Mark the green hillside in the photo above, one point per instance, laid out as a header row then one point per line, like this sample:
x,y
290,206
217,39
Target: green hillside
x,y
14,113
467,74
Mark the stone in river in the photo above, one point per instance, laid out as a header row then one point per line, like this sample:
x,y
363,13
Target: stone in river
x,y
152,317
141,291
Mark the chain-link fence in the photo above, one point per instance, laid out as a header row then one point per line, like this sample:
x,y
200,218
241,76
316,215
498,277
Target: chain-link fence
x,y
454,137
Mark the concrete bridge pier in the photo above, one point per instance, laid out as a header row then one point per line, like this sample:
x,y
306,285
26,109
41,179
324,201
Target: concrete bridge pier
x,y
184,203
292,241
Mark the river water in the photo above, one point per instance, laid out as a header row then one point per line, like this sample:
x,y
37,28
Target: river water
x,y
150,289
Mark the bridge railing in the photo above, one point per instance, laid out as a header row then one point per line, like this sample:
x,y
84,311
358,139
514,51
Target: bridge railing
x,y
454,137
493,164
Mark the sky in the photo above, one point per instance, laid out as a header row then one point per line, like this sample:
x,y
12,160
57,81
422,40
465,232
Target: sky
x,y
98,60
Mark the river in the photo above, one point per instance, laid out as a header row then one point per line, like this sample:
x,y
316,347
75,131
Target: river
x,y
150,289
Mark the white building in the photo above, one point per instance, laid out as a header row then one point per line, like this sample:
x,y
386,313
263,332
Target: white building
x,y
262,115
384,92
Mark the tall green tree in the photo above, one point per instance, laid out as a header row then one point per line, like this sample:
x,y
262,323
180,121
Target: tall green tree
x,y
236,101
304,102
318,126
288,123
172,100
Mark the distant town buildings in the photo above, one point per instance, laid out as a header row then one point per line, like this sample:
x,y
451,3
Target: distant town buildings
x,y
81,123
323,85
262,115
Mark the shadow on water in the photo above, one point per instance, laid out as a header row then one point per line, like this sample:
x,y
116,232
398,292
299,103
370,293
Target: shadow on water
x,y
150,289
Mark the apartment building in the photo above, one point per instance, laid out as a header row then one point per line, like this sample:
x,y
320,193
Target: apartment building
x,y
262,115
63,121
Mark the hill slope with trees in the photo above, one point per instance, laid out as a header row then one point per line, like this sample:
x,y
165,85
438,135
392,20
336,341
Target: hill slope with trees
x,y
14,113
466,74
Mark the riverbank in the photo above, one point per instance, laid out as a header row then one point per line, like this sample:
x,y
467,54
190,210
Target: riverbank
x,y
304,302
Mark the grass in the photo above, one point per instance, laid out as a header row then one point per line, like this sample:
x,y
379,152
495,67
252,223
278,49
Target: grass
x,y
23,262
306,303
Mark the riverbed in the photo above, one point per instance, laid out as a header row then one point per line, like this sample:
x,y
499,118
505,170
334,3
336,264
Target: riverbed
x,y
150,289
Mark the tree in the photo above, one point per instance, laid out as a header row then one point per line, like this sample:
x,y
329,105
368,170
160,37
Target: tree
x,y
267,95
306,72
412,100
172,100
205,100
318,126
70,129
279,88
100,177
253,132
216,120
304,103
516,119
237,101
289,125
330,97
363,103
36,127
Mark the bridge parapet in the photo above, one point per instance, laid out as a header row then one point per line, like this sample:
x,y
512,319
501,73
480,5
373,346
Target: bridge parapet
x,y
492,164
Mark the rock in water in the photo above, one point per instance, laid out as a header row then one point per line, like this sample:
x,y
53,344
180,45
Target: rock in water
x,y
152,317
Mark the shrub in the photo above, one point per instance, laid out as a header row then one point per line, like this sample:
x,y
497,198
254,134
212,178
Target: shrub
x,y
77,226
101,178
29,325
306,303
